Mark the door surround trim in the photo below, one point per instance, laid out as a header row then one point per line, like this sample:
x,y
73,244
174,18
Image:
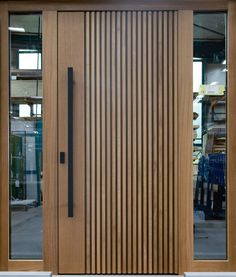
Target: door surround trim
x,y
50,100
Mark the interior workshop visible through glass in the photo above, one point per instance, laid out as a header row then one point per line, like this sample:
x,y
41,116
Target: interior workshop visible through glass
x,y
26,149
210,136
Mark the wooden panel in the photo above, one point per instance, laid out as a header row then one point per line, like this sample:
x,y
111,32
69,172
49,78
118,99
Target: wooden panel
x,y
25,265
4,139
102,5
111,237
71,230
50,162
131,150
185,55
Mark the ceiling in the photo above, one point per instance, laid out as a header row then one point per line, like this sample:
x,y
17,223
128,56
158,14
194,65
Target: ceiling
x,y
210,26
32,23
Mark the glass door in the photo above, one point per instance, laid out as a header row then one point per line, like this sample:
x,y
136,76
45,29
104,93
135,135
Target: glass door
x,y
25,137
210,136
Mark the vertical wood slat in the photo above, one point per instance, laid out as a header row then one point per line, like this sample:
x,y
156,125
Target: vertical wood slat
x,y
114,142
170,140
124,183
175,143
98,139
184,114
119,145
150,142
160,143
155,144
139,142
103,148
129,173
144,139
131,145
50,134
164,140
134,142
88,143
108,139
93,149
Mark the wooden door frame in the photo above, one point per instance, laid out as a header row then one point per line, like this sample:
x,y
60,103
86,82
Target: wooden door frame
x,y
50,219
186,261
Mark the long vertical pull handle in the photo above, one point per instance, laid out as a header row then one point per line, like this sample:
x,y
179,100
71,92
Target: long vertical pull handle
x,y
70,142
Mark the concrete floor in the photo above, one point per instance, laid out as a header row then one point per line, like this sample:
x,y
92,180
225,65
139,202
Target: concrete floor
x,y
210,240
26,236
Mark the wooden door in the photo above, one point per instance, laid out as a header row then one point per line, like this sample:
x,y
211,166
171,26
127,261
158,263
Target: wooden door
x,y
124,142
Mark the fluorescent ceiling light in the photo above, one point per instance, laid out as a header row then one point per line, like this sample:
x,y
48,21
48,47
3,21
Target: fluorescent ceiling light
x,y
224,62
28,50
16,29
214,83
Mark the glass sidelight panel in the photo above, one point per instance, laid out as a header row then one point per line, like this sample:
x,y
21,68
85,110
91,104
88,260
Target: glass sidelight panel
x,y
26,149
210,136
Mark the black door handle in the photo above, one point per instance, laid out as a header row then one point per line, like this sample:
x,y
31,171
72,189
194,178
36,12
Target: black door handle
x,y
70,142
62,157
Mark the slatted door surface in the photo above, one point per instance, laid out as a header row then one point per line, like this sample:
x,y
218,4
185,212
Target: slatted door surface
x,y
131,120
130,142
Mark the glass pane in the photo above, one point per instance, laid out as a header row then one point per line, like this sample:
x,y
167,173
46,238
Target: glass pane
x,y
210,136
26,148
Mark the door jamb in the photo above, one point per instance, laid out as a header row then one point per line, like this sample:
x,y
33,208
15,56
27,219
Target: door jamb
x,y
50,133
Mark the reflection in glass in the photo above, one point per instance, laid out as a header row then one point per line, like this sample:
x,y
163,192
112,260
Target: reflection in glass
x,y
26,150
209,136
